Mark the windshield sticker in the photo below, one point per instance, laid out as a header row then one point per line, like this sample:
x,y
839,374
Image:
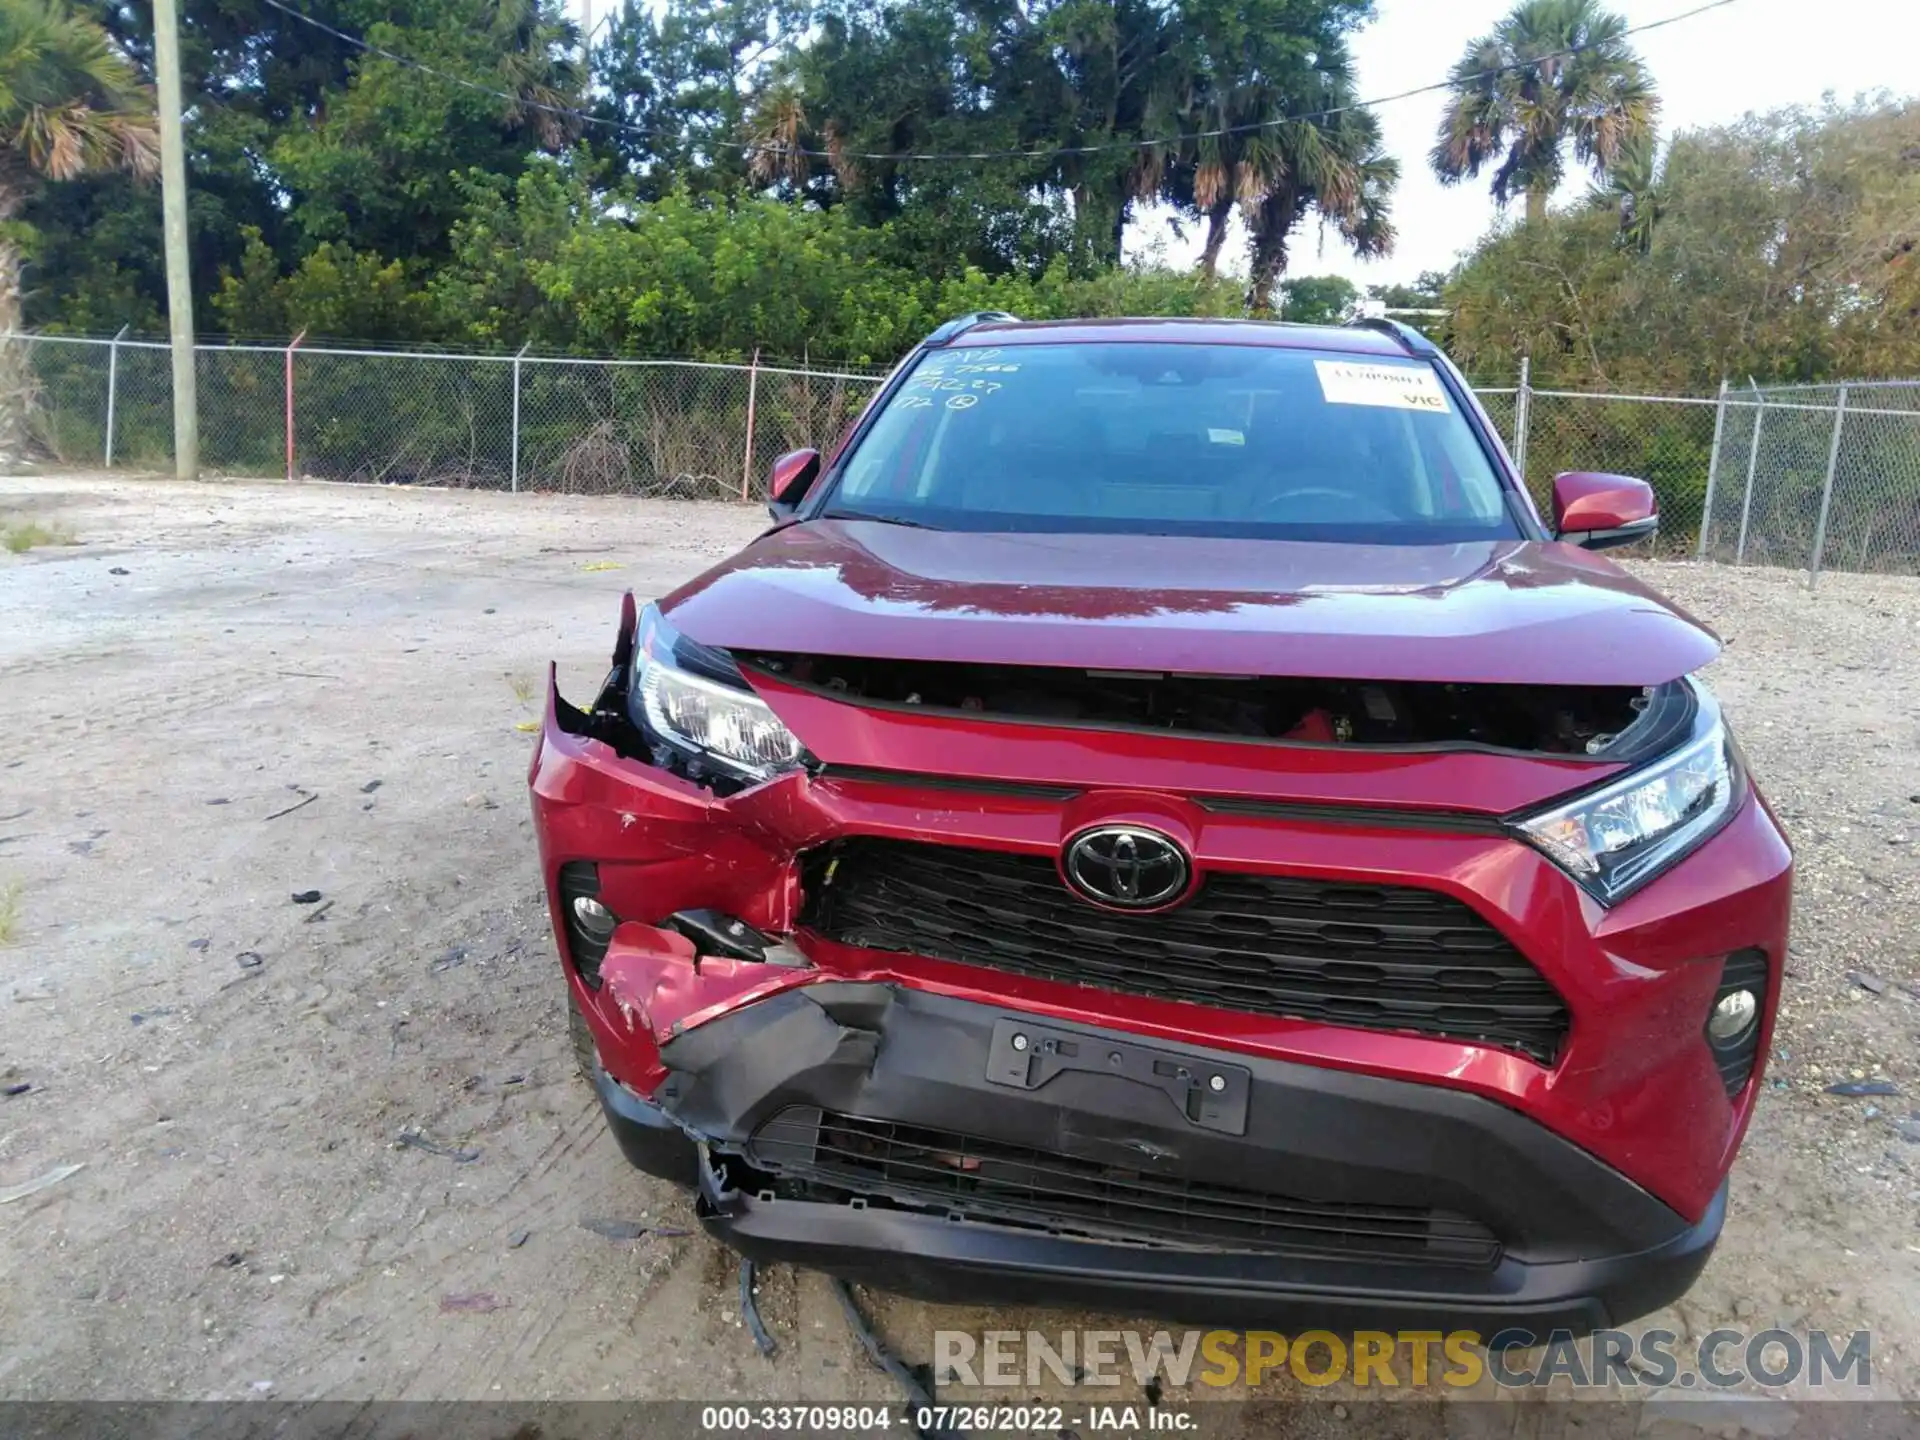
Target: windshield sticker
x,y
1226,437
1396,387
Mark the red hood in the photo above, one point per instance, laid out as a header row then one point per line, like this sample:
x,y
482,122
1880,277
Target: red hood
x,y
1507,611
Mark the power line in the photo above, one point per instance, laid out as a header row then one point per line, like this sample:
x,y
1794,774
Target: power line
x,y
1042,153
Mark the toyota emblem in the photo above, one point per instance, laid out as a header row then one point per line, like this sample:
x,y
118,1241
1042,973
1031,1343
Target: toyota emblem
x,y
1126,866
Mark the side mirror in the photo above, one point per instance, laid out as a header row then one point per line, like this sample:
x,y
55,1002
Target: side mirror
x,y
1597,511
792,476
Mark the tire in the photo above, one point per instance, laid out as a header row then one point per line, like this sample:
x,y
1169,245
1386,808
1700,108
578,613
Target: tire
x,y
586,1057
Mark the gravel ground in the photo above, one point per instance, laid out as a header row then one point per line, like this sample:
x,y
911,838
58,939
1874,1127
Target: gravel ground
x,y
226,694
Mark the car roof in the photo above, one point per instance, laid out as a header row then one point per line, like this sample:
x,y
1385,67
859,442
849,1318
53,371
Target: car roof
x,y
1348,339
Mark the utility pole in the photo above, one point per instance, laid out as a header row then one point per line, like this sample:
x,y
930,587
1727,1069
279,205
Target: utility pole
x,y
173,212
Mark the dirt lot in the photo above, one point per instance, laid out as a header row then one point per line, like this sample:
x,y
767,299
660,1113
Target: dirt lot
x,y
225,694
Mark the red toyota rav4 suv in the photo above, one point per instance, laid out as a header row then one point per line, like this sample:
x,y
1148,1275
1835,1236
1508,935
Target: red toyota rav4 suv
x,y
1158,821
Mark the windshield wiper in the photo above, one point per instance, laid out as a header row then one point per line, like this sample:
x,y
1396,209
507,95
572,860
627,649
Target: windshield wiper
x,y
876,519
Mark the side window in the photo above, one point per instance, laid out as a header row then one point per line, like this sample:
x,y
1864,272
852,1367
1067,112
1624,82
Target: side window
x,y
863,470
893,461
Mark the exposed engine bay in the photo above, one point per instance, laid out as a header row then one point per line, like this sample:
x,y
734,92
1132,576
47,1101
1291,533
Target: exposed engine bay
x,y
1549,719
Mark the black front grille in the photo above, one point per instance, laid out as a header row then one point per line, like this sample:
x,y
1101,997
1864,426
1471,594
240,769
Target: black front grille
x,y
1381,957
845,1158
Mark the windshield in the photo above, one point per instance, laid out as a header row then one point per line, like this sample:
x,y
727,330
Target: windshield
x,y
1228,440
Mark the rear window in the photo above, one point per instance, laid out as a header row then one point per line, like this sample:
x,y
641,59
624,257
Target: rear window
x,y
1176,439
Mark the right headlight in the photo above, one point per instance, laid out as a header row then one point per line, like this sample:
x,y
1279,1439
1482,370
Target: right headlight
x,y
1616,838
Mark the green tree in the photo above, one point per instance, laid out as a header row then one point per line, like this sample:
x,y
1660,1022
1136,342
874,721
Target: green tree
x,y
1333,165
1553,75
1421,304
334,292
1423,294
1318,299
376,168
489,293
1784,250
1120,82
888,80
338,189
1250,64
1632,190
307,140
70,105
1067,98
683,80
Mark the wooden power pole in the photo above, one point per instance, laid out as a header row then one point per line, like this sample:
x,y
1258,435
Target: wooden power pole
x,y
173,212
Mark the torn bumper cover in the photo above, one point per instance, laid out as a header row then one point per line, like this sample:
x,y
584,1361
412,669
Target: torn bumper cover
x,y
840,1129
846,1096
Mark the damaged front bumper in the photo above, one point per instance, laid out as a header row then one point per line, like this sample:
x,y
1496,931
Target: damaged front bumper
x,y
1084,1170
867,1111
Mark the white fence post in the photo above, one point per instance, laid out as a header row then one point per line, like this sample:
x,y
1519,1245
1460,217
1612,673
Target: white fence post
x,y
1522,406
1753,461
1713,467
1826,492
113,387
514,463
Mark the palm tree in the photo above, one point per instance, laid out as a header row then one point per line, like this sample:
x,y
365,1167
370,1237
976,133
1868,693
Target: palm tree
x,y
1635,190
1247,75
1333,165
785,144
537,67
1552,74
70,104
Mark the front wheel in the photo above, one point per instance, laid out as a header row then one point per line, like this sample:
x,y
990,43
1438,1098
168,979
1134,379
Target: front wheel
x,y
586,1056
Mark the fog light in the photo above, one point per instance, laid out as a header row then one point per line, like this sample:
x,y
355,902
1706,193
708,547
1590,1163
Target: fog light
x,y
596,921
1732,1015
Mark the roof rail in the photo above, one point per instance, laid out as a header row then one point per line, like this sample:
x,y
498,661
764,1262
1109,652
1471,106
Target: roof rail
x,y
1411,340
960,324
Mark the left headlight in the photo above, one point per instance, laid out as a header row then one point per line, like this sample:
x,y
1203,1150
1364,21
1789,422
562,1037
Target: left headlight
x,y
1617,838
715,718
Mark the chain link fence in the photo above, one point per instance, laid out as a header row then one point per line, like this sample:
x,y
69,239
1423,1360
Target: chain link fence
x,y
1818,476
1806,476
1663,439
677,428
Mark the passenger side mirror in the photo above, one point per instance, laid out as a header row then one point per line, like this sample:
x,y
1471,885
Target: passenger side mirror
x,y
1598,511
792,476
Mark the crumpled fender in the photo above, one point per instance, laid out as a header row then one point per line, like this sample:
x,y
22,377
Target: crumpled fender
x,y
653,982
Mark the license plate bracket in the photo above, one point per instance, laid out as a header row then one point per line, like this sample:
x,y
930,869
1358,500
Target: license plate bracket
x,y
1210,1095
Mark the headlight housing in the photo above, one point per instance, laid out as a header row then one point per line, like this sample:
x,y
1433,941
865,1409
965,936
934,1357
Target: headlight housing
x,y
1618,837
692,700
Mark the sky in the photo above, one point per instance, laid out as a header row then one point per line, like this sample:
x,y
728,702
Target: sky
x,y
1750,55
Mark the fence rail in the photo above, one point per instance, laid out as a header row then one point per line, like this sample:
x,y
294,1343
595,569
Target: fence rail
x,y
1808,476
683,428
1818,476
